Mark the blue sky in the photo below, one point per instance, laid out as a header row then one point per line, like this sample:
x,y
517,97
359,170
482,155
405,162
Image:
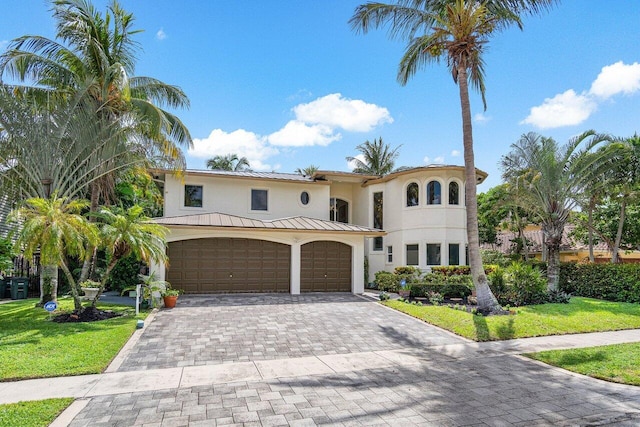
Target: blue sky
x,y
288,84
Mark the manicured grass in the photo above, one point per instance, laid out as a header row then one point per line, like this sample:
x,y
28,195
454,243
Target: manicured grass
x,y
39,413
580,315
617,363
31,346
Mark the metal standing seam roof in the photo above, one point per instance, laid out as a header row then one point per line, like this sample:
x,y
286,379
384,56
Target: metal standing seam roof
x,y
298,223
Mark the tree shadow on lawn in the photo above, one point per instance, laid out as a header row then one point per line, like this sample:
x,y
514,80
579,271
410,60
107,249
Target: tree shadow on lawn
x,y
504,331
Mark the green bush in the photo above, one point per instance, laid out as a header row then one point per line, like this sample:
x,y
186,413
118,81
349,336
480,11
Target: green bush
x,y
613,282
448,290
124,274
387,281
523,285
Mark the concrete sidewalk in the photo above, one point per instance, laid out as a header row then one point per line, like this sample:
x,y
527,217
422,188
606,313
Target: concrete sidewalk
x,y
160,379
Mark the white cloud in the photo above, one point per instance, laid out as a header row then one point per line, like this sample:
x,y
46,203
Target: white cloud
x,y
565,109
299,134
316,123
337,112
352,164
241,142
481,118
426,160
455,153
438,160
161,35
3,44
616,78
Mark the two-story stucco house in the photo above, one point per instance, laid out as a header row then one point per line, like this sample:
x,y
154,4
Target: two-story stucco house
x,y
276,232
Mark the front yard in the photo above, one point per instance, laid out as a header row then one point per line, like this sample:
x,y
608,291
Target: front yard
x,y
33,347
580,315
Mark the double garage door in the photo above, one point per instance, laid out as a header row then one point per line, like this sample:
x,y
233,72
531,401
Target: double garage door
x,y
226,265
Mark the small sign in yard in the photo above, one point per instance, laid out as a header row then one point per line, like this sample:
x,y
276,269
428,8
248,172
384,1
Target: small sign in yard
x,y
403,282
50,306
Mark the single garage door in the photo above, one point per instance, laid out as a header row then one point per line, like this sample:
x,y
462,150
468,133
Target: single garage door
x,y
325,267
224,265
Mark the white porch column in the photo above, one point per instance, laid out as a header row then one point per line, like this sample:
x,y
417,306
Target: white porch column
x,y
357,269
295,268
158,269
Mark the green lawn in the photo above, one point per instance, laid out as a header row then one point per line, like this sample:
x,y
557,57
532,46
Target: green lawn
x,y
580,315
39,413
617,363
33,347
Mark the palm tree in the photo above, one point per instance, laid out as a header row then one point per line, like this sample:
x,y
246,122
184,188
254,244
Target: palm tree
x,y
379,158
57,149
100,55
624,180
553,177
229,162
308,171
456,31
55,227
130,232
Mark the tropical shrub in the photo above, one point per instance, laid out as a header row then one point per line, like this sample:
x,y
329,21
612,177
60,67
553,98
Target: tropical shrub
x,y
524,285
448,290
613,282
387,281
435,298
124,274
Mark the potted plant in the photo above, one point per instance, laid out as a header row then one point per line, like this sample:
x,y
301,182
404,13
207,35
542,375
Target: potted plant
x,y
151,287
405,289
90,289
170,296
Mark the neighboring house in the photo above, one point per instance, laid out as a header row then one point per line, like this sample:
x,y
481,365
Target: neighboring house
x,y
570,248
276,232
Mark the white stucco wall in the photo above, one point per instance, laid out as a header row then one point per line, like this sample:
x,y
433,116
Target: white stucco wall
x,y
233,196
442,224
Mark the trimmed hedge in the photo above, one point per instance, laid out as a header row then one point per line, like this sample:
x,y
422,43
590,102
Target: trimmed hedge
x,y
612,282
459,270
448,290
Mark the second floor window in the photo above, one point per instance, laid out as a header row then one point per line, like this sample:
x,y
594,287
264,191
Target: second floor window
x,y
412,194
259,200
193,196
339,210
433,193
454,193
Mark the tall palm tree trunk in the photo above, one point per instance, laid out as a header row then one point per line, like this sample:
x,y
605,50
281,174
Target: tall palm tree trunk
x,y
74,288
616,245
552,235
590,231
49,274
487,302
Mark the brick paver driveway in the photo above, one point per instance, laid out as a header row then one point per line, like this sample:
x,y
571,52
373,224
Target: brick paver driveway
x,y
349,345
206,330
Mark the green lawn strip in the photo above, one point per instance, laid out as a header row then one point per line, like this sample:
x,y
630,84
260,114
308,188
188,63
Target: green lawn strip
x,y
580,315
617,363
31,346
39,413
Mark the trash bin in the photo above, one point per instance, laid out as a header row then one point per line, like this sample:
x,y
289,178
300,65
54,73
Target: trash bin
x,y
19,288
5,288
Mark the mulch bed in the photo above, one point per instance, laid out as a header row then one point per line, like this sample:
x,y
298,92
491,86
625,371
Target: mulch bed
x,y
89,314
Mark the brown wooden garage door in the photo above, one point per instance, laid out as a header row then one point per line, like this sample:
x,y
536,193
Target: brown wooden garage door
x,y
223,265
325,267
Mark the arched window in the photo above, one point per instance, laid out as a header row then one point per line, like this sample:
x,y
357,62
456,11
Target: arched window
x,y
454,193
339,210
433,193
412,194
